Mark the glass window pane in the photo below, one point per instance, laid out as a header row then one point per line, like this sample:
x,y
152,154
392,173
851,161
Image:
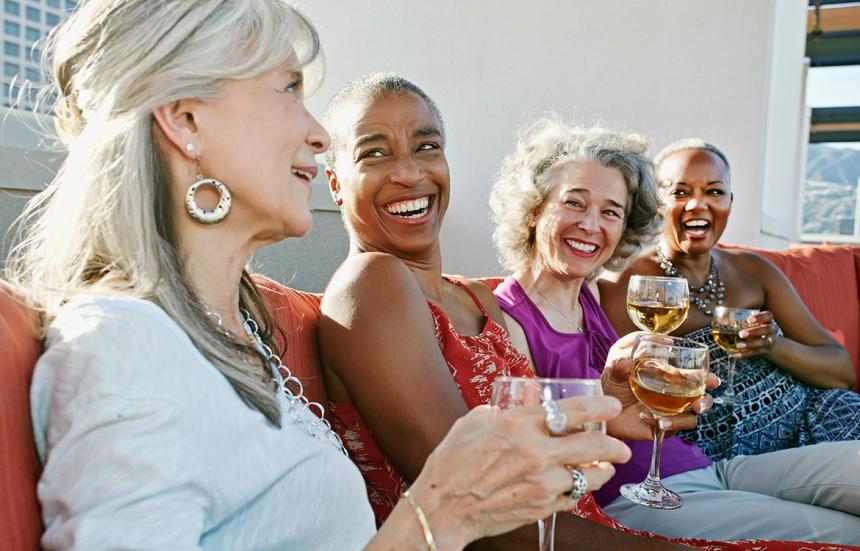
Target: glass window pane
x,y
12,28
71,4
833,86
32,34
831,196
12,8
32,74
53,3
34,15
10,69
52,20
11,49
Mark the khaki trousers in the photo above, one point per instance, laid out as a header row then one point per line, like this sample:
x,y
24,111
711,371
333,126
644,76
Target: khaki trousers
x,y
806,494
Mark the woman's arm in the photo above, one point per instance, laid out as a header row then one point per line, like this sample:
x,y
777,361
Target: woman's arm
x,y
497,470
806,350
377,337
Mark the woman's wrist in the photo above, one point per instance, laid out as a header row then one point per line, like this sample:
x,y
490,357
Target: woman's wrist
x,y
447,523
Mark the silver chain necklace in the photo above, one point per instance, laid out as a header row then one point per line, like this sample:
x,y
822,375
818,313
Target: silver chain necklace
x,y
290,387
576,327
708,295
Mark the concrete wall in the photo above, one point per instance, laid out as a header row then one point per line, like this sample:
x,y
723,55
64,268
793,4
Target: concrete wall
x,y
728,71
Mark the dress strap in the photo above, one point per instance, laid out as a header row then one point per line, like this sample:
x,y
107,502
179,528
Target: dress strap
x,y
469,292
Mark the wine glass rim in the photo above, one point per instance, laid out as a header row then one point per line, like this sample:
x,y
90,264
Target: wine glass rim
x,y
677,343
658,278
569,380
728,309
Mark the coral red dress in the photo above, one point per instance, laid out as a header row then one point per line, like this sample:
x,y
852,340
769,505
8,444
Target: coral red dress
x,y
475,362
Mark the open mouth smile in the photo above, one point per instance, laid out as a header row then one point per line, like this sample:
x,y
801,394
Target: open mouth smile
x,y
581,247
410,209
696,228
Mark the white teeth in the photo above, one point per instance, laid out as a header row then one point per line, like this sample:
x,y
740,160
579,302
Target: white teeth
x,y
302,174
586,248
421,204
696,223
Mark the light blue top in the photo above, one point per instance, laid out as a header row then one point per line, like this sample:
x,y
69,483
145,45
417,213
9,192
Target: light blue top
x,y
147,446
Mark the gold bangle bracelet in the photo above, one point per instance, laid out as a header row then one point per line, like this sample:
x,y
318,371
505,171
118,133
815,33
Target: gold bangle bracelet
x,y
422,520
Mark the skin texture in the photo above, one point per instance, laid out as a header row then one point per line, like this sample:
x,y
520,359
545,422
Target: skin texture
x,y
376,331
697,186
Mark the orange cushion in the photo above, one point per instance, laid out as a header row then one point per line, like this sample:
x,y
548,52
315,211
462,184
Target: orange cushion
x,y
297,314
826,278
20,518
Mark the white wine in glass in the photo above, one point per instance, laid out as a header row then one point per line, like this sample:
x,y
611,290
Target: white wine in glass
x,y
668,376
657,304
510,392
725,326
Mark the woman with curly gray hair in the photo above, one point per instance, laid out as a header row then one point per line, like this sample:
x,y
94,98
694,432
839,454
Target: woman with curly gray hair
x,y
568,202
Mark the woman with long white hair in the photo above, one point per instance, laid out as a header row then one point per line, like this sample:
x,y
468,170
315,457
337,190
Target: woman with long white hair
x,y
163,414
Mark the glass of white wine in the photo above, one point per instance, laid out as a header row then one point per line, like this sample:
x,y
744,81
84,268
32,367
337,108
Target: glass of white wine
x,y
668,376
725,326
510,392
657,304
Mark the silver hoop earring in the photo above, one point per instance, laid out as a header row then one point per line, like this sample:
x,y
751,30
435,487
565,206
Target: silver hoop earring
x,y
198,213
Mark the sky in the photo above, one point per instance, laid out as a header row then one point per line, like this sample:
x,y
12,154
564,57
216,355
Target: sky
x,y
834,87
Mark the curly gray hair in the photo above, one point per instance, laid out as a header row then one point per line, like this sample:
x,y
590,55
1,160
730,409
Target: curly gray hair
x,y
687,144
527,173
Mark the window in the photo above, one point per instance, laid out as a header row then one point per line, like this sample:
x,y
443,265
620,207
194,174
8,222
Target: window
x,y
34,15
12,8
12,28
32,74
53,3
52,20
10,69
831,195
31,34
71,4
11,49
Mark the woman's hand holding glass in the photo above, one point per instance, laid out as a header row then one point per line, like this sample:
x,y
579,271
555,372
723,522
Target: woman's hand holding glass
x,y
636,422
497,470
759,336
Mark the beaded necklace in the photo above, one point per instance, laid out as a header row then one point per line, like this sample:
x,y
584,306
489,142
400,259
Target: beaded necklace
x,y
705,297
289,387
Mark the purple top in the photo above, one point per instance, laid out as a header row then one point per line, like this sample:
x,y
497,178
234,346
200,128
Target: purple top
x,y
583,355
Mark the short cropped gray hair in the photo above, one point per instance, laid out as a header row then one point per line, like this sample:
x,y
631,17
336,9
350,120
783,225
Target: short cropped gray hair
x,y
365,89
688,144
526,175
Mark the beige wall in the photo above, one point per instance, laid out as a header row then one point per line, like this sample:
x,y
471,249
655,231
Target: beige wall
x,y
728,71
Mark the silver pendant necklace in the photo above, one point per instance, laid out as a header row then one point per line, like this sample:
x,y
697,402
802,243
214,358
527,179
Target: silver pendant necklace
x,y
705,297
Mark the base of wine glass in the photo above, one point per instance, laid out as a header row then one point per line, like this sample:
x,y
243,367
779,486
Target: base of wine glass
x,y
727,400
654,496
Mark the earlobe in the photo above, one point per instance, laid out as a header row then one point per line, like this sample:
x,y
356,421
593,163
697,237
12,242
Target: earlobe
x,y
177,124
333,186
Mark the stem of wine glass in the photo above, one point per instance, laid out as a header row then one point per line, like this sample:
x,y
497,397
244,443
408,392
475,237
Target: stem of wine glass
x,y
546,533
653,479
730,388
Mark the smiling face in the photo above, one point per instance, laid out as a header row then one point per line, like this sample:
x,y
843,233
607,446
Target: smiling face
x,y
581,220
391,175
698,200
258,138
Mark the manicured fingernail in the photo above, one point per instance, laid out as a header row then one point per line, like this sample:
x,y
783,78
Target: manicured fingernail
x,y
741,345
743,334
665,424
703,403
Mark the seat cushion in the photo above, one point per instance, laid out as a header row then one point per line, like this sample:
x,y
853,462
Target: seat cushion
x,y
297,314
826,278
20,518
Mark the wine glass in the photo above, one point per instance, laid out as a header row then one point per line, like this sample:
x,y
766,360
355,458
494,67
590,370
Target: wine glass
x,y
657,304
725,326
510,392
668,376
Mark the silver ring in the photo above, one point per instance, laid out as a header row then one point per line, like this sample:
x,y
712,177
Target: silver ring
x,y
580,484
556,420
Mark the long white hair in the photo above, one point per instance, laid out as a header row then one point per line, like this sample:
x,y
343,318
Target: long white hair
x,y
103,225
